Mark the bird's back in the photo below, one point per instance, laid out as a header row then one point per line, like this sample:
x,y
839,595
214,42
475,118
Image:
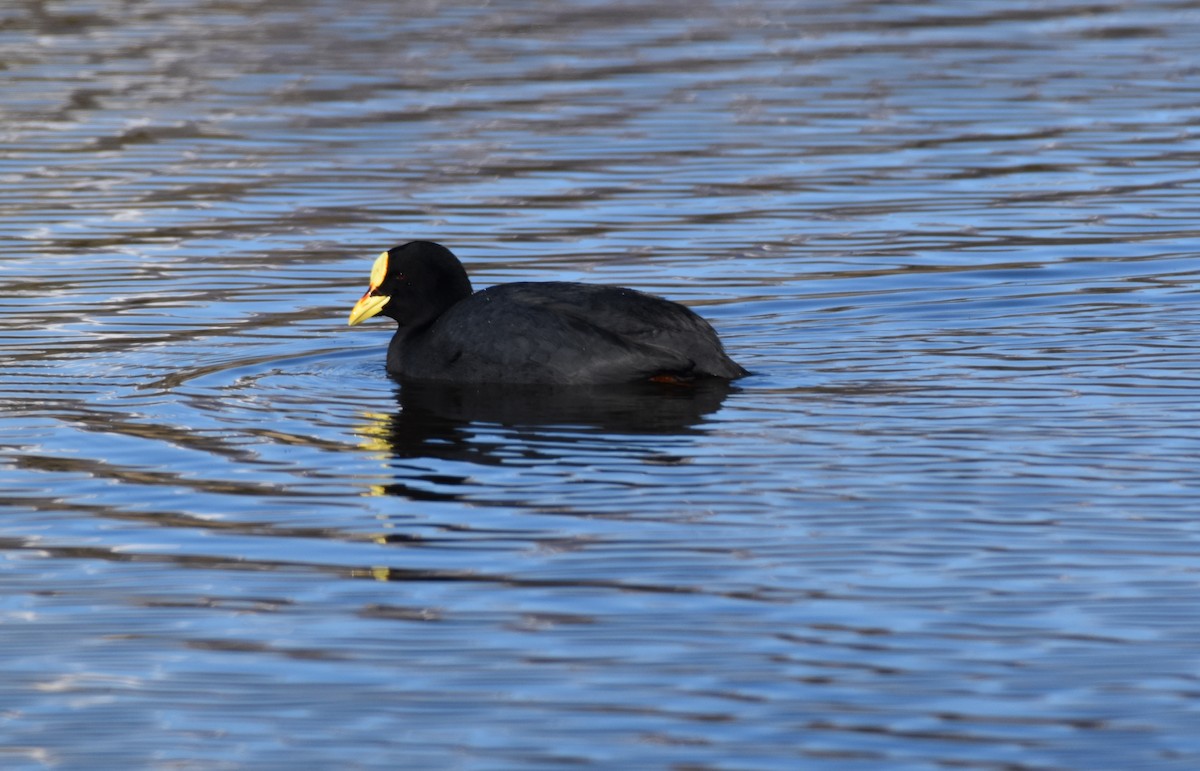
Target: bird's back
x,y
565,333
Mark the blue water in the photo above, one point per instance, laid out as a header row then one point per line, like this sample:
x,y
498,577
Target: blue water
x,y
949,521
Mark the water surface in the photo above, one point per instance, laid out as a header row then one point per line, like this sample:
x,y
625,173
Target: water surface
x,y
948,521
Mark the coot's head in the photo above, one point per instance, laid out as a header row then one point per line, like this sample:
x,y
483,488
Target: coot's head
x,y
413,284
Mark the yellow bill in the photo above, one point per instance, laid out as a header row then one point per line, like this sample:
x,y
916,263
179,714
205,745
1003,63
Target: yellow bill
x,y
371,304
367,306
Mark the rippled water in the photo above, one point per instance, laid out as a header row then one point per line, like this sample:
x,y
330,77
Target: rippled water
x,y
949,521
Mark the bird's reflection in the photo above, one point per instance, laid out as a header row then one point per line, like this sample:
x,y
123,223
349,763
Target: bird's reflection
x,y
447,421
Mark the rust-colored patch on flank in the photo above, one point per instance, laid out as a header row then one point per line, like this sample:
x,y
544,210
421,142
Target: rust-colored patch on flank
x,y
673,379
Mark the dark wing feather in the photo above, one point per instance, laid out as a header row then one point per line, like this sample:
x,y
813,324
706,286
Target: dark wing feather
x,y
565,333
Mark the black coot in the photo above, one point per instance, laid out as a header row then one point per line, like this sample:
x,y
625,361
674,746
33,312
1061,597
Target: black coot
x,y
548,333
